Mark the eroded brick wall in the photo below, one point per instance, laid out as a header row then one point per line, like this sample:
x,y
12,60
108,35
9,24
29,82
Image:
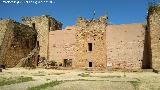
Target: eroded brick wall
x,y
61,45
125,46
113,46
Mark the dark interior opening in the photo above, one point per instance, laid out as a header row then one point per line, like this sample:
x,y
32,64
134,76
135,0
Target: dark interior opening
x,y
27,43
90,64
147,54
33,25
49,25
90,46
38,58
37,43
67,63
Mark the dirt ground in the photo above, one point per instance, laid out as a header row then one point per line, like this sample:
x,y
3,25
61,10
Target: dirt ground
x,y
83,80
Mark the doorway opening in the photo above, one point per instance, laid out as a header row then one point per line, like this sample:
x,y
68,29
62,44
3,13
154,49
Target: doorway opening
x,y
67,62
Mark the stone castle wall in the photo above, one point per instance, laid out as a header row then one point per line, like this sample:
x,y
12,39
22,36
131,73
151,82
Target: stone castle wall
x,y
154,34
43,25
3,27
17,42
125,46
93,32
90,43
61,45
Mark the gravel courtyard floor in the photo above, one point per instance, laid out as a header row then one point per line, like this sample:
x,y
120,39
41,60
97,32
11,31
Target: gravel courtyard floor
x,y
81,80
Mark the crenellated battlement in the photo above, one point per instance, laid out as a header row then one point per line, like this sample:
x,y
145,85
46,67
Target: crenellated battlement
x,y
100,20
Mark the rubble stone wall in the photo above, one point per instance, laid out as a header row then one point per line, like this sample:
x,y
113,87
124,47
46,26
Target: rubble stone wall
x,y
43,25
89,44
154,32
113,46
17,43
3,28
90,31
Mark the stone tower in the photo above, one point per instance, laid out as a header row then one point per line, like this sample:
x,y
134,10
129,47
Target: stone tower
x,y
43,25
90,45
154,35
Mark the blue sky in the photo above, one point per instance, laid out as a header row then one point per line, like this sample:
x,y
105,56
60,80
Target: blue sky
x,y
67,11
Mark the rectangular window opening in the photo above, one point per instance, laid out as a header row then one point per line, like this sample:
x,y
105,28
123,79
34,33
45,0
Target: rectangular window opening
x,y
90,46
90,64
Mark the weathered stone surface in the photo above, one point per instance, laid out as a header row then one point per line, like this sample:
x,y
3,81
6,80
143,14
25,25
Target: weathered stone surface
x,y
43,25
94,32
114,46
154,34
88,44
61,45
31,60
125,46
17,40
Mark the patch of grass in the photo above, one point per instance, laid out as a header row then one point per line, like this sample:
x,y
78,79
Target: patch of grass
x,y
137,79
58,73
135,84
48,79
43,86
110,76
41,72
55,73
88,80
11,80
84,75
83,80
117,81
9,72
88,75
38,75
